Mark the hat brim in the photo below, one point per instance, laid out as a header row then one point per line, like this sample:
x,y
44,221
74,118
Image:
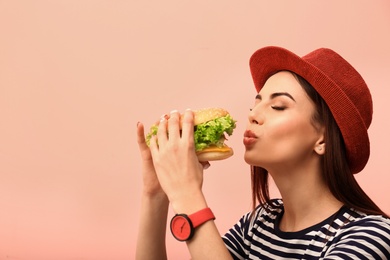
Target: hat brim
x,y
269,60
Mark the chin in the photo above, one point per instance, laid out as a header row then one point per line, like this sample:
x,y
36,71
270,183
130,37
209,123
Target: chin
x,y
251,159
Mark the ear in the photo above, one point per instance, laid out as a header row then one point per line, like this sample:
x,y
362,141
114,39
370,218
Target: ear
x,y
319,146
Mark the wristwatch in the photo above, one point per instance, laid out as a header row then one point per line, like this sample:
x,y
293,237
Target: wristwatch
x,y
183,226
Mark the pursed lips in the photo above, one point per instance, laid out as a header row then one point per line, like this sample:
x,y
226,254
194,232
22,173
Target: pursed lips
x,y
249,137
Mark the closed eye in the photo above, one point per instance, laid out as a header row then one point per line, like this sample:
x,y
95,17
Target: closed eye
x,y
278,108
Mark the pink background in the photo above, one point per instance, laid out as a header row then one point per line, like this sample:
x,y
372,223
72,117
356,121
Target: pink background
x,y
77,75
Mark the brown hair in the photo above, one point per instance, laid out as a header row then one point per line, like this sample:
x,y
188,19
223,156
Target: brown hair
x,y
334,164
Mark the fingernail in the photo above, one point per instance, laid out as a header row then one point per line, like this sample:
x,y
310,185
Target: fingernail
x,y
206,166
174,111
164,116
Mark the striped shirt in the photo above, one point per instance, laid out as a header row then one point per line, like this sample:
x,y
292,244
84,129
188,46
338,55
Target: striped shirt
x,y
348,234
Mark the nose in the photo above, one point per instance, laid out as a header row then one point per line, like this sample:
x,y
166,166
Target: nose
x,y
255,116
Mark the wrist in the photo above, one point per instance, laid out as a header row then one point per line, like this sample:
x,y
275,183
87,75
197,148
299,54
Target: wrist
x,y
188,203
159,197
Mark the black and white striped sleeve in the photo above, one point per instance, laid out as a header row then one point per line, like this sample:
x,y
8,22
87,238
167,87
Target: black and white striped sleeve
x,y
368,238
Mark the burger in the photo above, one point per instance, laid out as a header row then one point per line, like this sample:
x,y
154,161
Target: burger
x,y
211,128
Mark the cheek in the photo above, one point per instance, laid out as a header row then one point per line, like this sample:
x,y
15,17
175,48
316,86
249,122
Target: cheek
x,y
288,136
282,129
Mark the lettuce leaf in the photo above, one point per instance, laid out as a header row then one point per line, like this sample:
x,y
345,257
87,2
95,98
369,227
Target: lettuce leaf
x,y
207,134
213,132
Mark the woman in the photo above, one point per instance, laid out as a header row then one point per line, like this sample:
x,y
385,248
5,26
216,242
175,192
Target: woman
x,y
308,130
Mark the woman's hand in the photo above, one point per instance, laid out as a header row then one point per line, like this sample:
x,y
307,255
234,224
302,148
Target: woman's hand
x,y
154,207
152,186
177,166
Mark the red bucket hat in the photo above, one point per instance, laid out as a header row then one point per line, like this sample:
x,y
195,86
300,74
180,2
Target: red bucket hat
x,y
338,83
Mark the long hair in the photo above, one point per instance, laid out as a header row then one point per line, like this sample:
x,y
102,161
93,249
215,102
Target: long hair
x,y
334,165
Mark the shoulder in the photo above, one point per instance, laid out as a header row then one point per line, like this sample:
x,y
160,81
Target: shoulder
x,y
263,215
356,223
274,208
259,220
356,220
368,234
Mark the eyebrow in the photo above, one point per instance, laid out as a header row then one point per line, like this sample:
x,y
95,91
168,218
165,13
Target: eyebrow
x,y
277,94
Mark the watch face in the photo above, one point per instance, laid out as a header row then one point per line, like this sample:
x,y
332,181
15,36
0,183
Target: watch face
x,y
181,227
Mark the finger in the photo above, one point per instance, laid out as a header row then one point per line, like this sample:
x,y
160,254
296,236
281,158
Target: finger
x,y
141,135
153,146
188,125
162,135
174,125
156,123
142,145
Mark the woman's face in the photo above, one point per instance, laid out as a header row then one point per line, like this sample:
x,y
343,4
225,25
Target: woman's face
x,y
280,133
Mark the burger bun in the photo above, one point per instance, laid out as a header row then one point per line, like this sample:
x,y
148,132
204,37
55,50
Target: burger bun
x,y
215,154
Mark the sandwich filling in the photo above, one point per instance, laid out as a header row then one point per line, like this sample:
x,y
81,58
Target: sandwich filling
x,y
208,134
212,133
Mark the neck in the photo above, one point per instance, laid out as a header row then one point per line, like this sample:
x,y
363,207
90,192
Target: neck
x,y
306,199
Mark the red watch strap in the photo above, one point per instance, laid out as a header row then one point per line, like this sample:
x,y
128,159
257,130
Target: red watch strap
x,y
201,216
